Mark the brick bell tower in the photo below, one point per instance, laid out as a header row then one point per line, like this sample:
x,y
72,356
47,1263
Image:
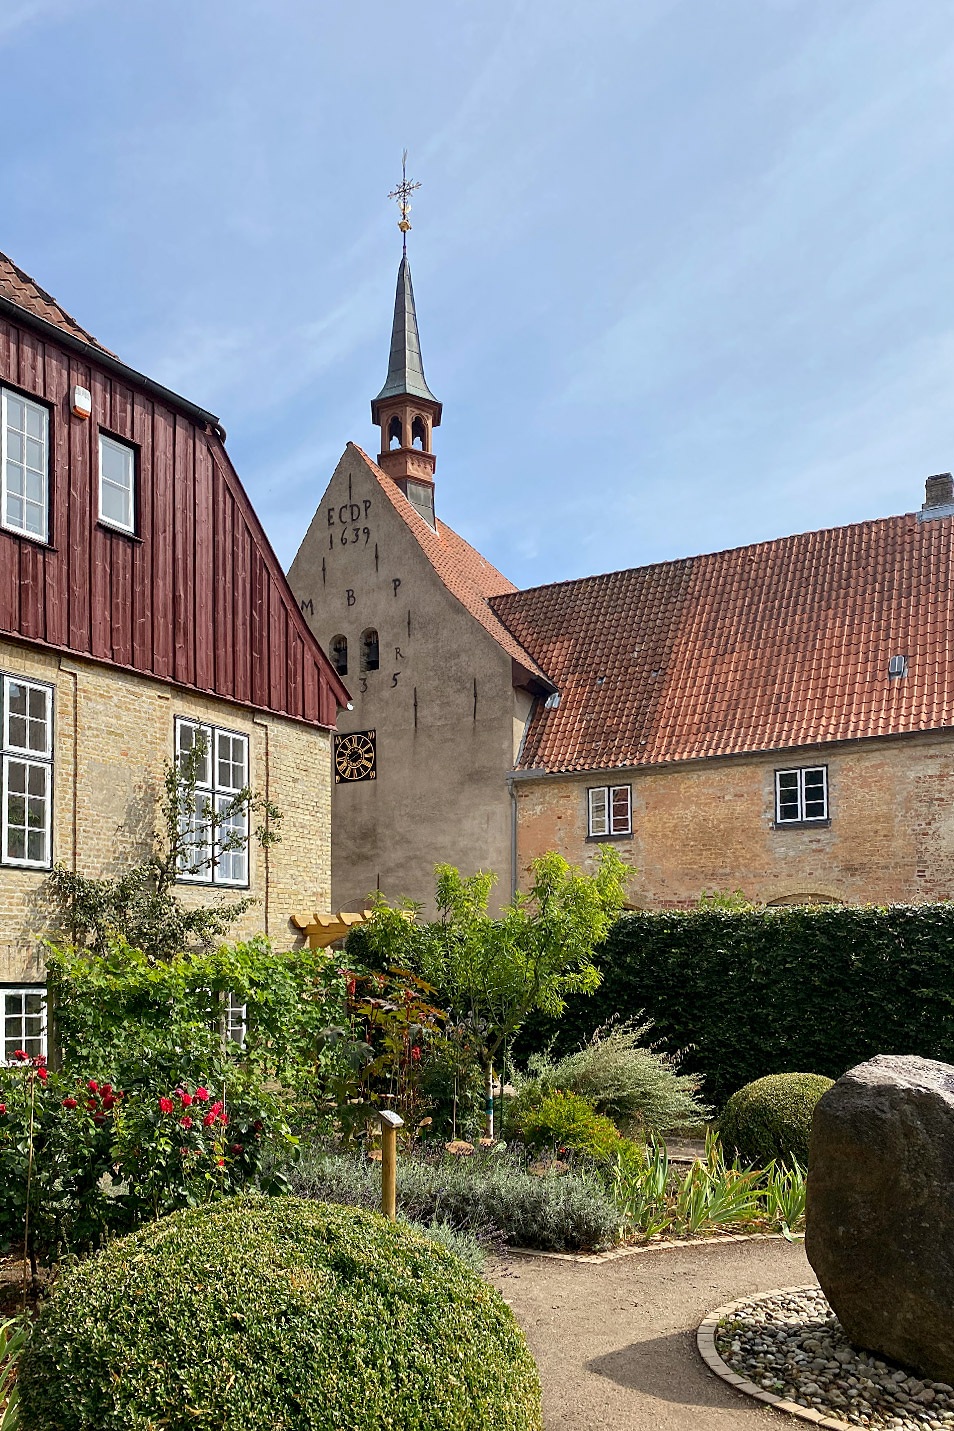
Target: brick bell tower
x,y
405,409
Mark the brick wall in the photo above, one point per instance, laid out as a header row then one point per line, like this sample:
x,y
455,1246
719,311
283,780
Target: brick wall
x,y
709,825
113,731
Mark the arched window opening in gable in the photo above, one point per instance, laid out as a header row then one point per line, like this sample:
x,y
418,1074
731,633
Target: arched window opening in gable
x,y
419,434
395,432
370,660
339,654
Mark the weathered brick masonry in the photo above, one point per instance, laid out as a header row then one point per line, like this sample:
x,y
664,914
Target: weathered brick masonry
x,y
709,825
113,734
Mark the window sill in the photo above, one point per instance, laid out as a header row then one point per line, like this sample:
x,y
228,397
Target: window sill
x,y
43,543
118,532
601,839
211,884
24,867
801,824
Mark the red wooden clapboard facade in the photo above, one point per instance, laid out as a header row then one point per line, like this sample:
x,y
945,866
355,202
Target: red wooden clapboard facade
x,y
197,597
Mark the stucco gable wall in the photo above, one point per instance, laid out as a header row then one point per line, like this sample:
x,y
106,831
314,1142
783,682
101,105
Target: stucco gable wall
x,y
442,703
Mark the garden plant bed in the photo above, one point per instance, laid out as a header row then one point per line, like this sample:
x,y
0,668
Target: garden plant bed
x,y
788,1349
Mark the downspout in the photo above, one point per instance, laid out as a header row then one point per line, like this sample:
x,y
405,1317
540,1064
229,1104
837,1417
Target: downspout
x,y
513,836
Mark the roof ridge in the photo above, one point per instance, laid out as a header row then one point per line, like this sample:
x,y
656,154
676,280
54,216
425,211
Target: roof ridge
x,y
721,551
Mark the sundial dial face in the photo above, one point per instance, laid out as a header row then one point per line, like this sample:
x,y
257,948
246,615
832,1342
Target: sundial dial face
x,y
355,757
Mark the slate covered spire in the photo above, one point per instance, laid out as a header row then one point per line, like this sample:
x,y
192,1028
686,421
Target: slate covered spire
x,y
405,366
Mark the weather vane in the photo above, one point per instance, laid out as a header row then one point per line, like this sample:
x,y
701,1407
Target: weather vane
x,y
403,194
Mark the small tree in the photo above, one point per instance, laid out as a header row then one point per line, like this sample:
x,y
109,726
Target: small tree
x,y
492,973
140,906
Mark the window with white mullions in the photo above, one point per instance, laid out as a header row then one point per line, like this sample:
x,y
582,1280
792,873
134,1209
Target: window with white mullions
x,y
609,810
24,1022
26,772
24,466
214,851
117,484
801,796
236,1020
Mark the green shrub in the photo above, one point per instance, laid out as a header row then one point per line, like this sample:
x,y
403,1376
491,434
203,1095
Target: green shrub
x,y
491,1195
772,1117
260,1313
744,993
565,1122
622,1077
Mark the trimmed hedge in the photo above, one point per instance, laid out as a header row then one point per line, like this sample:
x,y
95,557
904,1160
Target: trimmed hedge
x,y
258,1313
772,1117
763,991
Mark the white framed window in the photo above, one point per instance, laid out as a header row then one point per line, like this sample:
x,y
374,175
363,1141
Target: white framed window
x,y
609,810
801,796
117,484
24,466
236,1020
24,1021
222,773
26,772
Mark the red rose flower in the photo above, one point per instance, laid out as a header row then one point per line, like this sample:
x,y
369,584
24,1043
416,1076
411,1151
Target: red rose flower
x,y
3,1109
258,1125
42,1075
220,1162
202,1094
165,1105
99,1117
208,1120
184,1152
415,1054
186,1098
93,1086
70,1103
222,1119
106,1089
92,1106
108,1102
21,1054
236,1148
218,1106
185,1122
40,1060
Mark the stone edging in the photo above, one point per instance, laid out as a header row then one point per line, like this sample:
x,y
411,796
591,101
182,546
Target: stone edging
x,y
615,1253
705,1340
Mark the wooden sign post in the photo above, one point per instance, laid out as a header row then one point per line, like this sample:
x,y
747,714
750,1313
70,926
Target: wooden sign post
x,y
390,1123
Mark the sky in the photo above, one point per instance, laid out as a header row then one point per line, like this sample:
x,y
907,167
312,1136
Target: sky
x,y
683,270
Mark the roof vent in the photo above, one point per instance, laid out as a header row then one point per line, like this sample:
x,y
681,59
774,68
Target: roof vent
x,y
938,497
897,666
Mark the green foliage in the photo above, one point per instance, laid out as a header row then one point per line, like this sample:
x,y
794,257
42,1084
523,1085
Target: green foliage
x,y
264,1313
14,1332
634,1084
490,973
490,1194
565,1122
752,992
123,1016
140,906
772,1117
81,1160
653,1198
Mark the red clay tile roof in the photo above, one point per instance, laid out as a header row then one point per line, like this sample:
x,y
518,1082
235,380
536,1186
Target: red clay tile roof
x,y
772,646
22,290
466,574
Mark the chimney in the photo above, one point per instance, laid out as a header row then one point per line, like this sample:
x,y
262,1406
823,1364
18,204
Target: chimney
x,y
938,497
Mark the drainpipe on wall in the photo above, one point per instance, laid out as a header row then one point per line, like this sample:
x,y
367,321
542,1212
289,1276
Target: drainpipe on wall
x,y
513,837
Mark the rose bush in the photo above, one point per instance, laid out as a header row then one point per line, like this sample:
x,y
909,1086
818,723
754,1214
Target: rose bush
x,y
105,1160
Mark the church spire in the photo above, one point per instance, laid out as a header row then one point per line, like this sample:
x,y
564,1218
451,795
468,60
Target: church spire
x,y
405,409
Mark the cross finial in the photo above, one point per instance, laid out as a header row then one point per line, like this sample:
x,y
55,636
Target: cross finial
x,y
403,194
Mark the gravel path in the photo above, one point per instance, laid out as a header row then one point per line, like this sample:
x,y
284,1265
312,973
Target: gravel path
x,y
615,1342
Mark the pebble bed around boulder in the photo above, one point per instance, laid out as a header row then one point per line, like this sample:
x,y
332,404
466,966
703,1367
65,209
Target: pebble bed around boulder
x,y
792,1344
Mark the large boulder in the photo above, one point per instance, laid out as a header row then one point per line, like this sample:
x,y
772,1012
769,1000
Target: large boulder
x,y
880,1216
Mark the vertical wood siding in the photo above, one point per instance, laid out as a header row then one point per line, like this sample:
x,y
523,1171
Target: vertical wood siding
x,y
197,596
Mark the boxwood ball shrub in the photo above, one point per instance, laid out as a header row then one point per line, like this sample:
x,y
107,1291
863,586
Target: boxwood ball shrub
x,y
772,1117
263,1313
